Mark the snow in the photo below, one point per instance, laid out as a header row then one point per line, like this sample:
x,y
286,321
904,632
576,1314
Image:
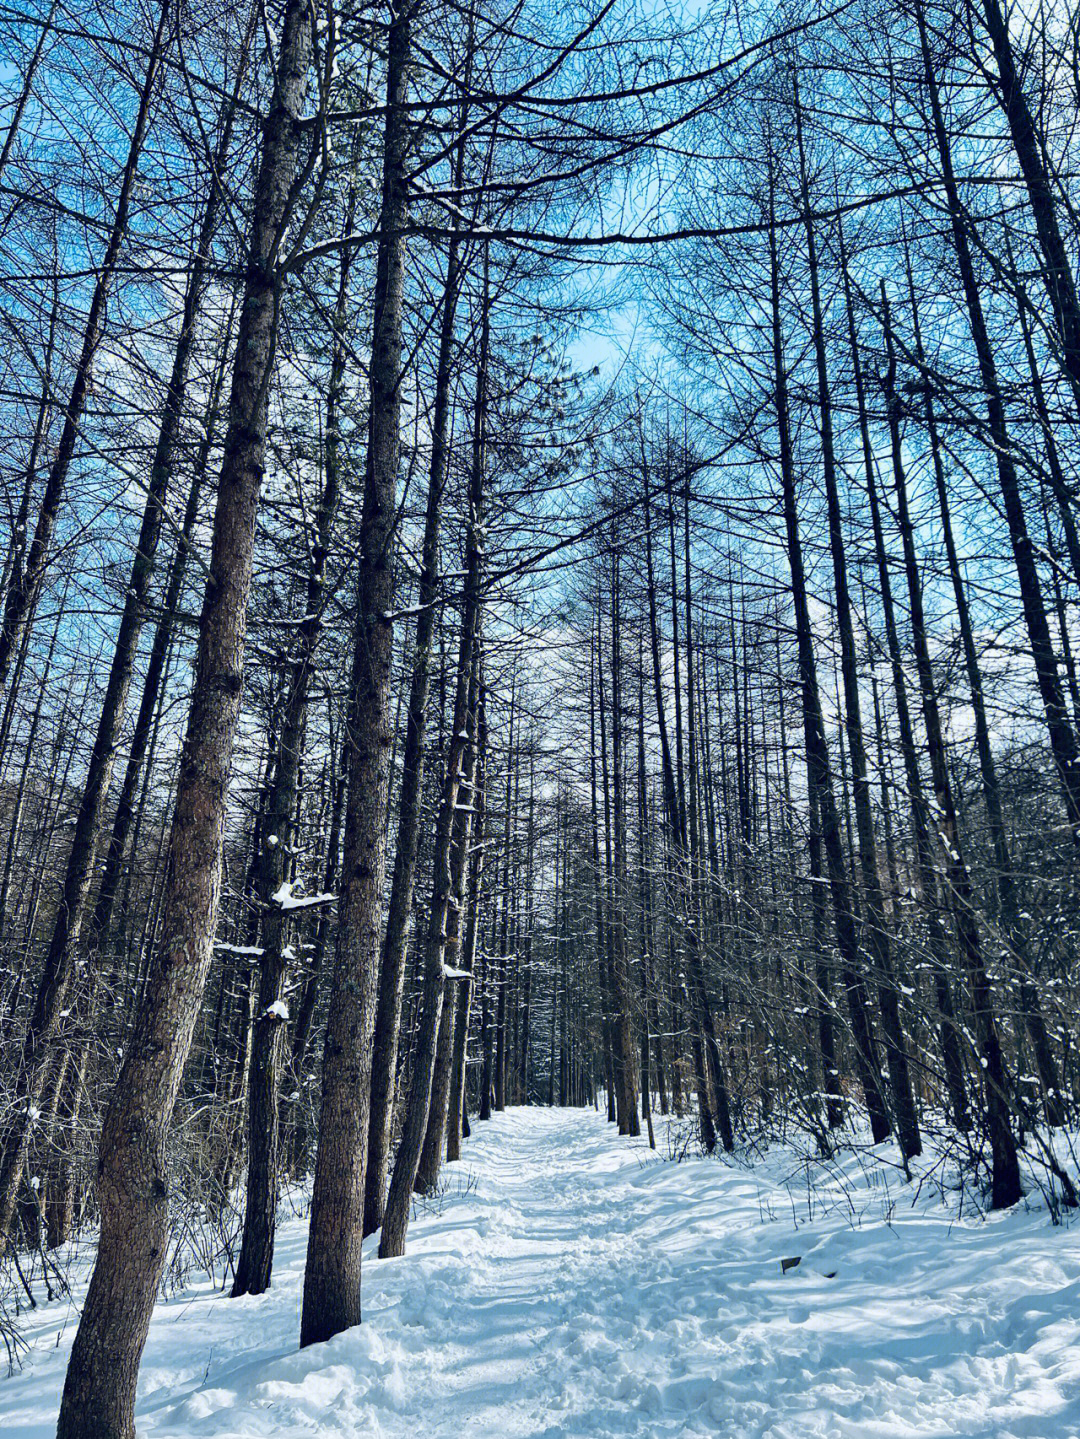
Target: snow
x,y
278,1010
285,897
569,1283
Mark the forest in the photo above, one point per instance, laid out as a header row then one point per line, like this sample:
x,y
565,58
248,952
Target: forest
x,y
539,627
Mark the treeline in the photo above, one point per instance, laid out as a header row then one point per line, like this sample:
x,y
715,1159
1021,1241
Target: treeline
x,y
542,568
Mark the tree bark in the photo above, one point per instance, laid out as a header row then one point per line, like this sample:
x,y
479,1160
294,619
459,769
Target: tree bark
x,y
927,875
395,941
133,1188
448,865
819,771
875,930
332,1276
256,1258
1005,1177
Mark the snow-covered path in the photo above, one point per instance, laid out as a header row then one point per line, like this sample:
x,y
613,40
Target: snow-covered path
x,y
574,1285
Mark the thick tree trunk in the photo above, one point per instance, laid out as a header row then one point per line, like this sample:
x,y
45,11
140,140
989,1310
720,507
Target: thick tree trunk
x,y
332,1276
163,464
254,1265
133,1188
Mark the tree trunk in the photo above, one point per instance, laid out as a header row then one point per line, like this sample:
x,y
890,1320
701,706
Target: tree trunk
x,y
819,772
458,1121
254,1265
1005,1177
875,930
444,920
332,1275
1062,739
99,1393
60,958
925,869
396,939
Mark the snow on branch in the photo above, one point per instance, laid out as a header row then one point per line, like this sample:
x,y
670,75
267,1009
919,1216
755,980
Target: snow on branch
x,y
285,897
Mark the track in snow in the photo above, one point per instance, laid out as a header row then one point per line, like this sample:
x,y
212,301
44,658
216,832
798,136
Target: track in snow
x,y
573,1285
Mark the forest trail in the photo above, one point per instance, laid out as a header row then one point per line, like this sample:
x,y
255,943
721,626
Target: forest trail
x,y
571,1284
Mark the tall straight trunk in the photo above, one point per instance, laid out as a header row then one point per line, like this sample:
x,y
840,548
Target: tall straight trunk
x,y
654,646
819,770
493,989
676,661
1062,739
610,1027
456,986
693,899
598,882
875,924
509,877
133,1188
25,586
457,1125
709,1122
952,1060
627,1079
448,864
649,1025
164,462
1008,898
826,1032
886,785
332,1275
1005,1177
402,884
256,1258
557,900
486,1037
524,1049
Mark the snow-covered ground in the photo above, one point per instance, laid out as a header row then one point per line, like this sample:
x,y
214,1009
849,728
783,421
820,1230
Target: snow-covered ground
x,y
575,1285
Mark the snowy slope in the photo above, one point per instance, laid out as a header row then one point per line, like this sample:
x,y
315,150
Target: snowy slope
x,y
574,1285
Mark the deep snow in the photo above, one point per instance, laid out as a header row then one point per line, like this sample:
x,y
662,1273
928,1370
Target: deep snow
x,y
572,1284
